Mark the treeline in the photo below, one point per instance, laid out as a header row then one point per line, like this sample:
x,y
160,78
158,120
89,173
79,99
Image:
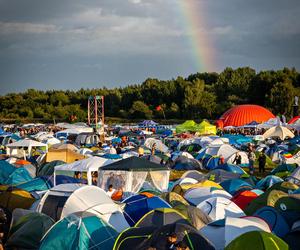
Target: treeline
x,y
200,95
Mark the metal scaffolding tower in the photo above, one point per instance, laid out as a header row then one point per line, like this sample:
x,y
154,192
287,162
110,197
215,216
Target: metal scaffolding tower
x,y
96,112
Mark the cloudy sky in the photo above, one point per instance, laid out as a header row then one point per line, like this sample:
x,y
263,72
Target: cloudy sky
x,y
72,44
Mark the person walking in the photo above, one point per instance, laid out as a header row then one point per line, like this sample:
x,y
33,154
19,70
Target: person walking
x,y
262,162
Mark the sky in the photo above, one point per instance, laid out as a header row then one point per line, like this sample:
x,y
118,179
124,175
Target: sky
x,y
73,44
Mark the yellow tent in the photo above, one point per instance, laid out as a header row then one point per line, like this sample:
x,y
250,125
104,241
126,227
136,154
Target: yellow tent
x,y
65,155
205,128
182,188
16,198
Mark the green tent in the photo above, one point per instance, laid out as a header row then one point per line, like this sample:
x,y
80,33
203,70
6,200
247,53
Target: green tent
x,y
160,217
188,125
48,168
28,231
258,240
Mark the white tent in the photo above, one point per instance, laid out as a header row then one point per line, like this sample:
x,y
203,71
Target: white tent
x,y
24,147
221,236
227,151
54,199
158,143
94,200
88,166
183,180
218,208
196,195
194,174
278,132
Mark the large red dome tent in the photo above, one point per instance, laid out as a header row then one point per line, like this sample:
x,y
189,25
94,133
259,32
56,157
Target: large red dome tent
x,y
243,114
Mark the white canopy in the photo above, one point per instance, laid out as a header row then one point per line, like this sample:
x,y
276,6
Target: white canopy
x,y
279,132
12,148
94,199
88,165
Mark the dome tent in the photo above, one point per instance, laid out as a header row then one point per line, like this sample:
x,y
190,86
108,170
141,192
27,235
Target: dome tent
x,y
79,231
244,114
259,240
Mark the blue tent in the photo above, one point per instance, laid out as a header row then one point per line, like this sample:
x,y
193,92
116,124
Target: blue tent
x,y
212,163
138,205
235,185
184,163
267,182
276,221
111,156
79,231
10,175
231,168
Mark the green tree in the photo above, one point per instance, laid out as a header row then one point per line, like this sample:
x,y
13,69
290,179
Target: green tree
x,y
282,98
140,110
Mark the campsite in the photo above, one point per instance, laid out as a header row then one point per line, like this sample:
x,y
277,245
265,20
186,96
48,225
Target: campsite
x,y
153,186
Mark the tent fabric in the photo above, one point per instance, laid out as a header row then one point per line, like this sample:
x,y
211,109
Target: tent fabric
x,y
94,200
235,185
16,198
267,182
174,199
259,240
205,128
188,125
243,114
138,205
195,216
158,145
196,195
66,155
184,163
79,231
134,164
147,237
222,232
88,165
218,208
160,217
275,220
28,231
231,168
53,201
48,167
278,132
244,198
182,188
220,175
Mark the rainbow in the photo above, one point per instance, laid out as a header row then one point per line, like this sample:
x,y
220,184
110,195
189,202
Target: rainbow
x,y
199,39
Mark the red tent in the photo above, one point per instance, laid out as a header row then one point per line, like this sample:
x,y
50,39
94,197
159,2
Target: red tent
x,y
243,198
244,114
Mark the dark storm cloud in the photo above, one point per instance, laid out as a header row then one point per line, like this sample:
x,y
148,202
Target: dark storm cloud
x,y
76,43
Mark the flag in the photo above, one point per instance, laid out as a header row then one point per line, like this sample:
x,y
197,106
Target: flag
x,y
158,108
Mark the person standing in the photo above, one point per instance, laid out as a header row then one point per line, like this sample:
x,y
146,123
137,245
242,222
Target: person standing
x,y
262,162
251,157
237,159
